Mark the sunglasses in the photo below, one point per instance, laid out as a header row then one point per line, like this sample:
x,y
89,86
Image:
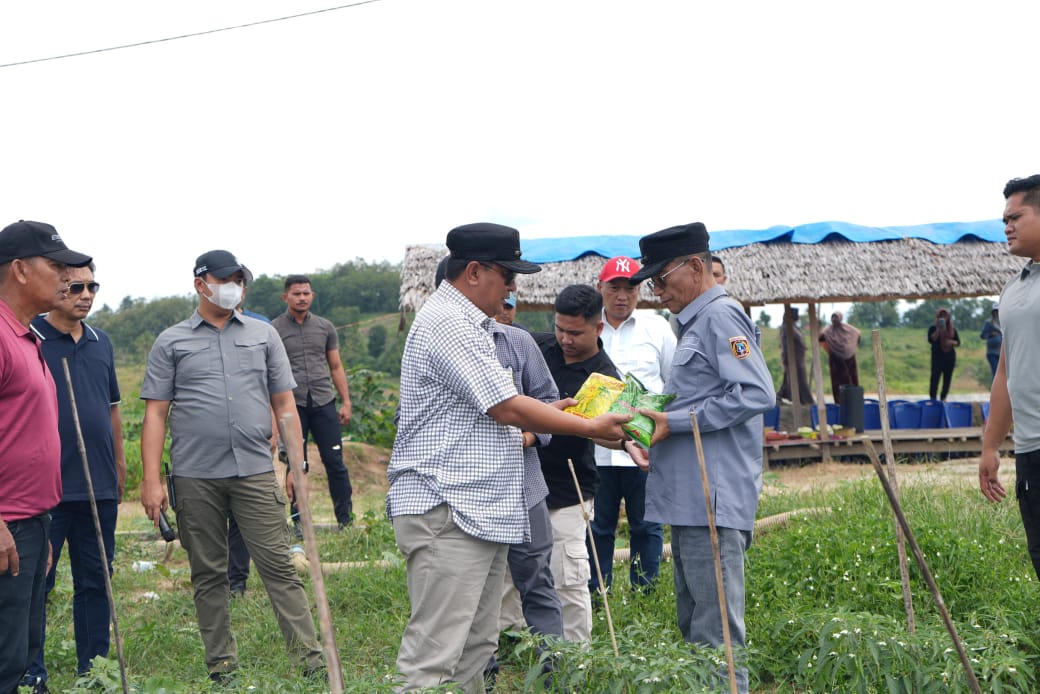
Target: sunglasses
x,y
659,282
508,275
78,287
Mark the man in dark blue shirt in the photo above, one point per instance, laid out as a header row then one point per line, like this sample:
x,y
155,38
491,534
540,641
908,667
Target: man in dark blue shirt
x,y
64,335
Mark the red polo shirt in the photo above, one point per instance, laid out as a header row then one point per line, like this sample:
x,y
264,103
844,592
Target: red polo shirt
x,y
30,447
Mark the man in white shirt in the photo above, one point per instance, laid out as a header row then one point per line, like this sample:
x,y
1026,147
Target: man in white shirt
x,y
640,343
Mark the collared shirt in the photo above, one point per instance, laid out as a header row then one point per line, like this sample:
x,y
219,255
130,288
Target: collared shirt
x,y
569,378
643,345
517,351
719,374
220,384
92,368
308,345
448,450
1020,319
30,449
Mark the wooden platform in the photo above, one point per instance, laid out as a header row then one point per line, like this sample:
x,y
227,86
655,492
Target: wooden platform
x,y
934,442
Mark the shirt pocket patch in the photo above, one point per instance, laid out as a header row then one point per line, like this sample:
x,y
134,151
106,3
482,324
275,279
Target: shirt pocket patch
x,y
196,358
252,354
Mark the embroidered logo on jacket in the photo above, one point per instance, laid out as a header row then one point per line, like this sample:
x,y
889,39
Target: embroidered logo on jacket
x,y
740,347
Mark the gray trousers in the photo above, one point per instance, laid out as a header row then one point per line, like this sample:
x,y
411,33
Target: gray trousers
x,y
455,590
259,508
696,595
530,580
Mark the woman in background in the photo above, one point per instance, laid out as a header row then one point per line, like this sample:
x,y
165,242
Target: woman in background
x,y
944,339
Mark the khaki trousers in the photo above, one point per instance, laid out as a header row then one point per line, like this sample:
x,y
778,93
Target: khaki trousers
x,y
455,589
571,570
258,505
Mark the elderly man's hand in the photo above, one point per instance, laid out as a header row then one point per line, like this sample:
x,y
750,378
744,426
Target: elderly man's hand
x,y
661,430
639,455
8,552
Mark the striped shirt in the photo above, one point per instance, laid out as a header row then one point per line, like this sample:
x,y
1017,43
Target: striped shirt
x,y
518,351
448,450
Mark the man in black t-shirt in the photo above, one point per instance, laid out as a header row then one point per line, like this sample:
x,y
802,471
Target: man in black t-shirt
x,y
573,353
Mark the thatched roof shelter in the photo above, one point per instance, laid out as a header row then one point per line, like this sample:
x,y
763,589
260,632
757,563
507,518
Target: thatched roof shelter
x,y
782,270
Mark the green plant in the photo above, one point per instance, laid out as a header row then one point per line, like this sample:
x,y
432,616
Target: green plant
x,y
374,405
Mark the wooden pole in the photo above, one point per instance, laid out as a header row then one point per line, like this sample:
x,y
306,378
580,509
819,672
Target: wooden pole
x,y
893,499
716,554
595,558
294,449
792,369
890,459
817,367
97,525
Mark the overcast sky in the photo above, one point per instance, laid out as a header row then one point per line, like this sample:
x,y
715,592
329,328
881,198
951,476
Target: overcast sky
x,y
353,133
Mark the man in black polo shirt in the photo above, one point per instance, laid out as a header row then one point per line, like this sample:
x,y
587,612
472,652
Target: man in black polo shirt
x,y
573,353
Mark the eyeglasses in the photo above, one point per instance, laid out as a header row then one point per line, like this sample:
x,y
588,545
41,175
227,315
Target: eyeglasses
x,y
78,287
508,275
659,282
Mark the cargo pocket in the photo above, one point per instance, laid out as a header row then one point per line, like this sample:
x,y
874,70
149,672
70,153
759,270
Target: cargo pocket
x,y
576,569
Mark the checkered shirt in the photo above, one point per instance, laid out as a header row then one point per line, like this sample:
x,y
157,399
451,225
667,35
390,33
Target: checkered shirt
x,y
448,450
518,351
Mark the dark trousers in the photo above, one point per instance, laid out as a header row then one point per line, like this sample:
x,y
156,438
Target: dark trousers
x,y
237,557
322,422
1027,491
72,523
993,360
942,366
844,372
646,538
22,601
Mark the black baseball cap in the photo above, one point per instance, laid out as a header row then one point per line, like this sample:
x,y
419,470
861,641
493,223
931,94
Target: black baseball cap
x,y
661,247
25,239
220,264
491,243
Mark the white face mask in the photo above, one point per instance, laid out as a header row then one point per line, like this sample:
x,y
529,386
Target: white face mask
x,y
227,296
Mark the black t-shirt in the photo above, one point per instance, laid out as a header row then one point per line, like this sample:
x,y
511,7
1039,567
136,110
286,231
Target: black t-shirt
x,y
937,351
569,378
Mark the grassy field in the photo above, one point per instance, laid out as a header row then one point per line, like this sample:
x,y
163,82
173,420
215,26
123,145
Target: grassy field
x,y
825,613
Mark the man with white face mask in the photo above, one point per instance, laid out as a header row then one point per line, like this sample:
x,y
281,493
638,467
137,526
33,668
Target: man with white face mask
x,y
225,374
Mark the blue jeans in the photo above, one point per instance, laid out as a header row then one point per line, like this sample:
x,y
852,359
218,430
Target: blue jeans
x,y
22,601
647,539
323,424
696,595
72,522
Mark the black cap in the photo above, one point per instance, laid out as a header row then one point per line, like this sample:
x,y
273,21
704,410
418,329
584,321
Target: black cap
x,y
492,243
220,264
661,247
25,239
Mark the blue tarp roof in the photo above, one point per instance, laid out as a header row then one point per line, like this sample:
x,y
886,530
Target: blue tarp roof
x,y
574,247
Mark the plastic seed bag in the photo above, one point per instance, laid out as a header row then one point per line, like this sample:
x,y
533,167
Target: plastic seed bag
x,y
634,397
595,396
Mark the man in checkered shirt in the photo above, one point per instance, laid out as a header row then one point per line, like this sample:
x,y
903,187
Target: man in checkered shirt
x,y
456,495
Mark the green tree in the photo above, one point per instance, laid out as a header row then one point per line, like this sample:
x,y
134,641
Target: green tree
x,y
874,314
763,319
376,340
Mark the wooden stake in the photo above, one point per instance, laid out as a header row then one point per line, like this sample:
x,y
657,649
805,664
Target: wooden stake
x,y
294,449
890,459
716,553
97,525
969,674
595,559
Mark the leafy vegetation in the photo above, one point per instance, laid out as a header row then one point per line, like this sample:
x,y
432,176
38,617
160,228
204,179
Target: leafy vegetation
x,y
825,610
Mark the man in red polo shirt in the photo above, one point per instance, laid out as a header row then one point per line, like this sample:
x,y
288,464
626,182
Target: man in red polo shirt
x,y
34,275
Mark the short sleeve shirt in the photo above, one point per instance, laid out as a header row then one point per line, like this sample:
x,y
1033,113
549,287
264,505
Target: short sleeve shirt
x,y
93,371
219,383
30,448
448,450
1020,318
308,344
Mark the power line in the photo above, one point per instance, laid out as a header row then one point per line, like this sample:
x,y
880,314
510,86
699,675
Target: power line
x,y
188,36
